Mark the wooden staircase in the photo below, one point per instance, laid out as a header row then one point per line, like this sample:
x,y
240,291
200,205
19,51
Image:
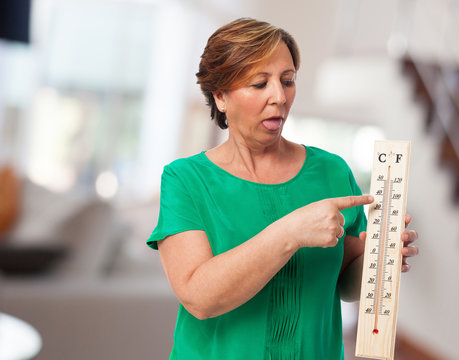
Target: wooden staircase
x,y
436,88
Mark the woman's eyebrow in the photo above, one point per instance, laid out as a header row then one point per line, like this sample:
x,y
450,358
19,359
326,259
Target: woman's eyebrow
x,y
289,71
264,73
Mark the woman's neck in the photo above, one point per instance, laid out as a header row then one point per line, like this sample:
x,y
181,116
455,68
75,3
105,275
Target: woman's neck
x,y
273,163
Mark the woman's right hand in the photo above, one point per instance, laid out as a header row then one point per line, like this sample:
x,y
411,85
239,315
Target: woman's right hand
x,y
320,224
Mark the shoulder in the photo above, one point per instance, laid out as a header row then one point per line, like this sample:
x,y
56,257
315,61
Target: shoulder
x,y
326,159
189,172
186,164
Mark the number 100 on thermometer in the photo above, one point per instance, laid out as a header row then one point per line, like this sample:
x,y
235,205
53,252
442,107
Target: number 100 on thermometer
x,y
382,257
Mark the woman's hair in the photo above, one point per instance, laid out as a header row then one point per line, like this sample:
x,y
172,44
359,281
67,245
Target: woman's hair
x,y
232,55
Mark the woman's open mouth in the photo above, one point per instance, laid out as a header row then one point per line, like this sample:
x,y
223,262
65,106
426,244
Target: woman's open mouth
x,y
273,123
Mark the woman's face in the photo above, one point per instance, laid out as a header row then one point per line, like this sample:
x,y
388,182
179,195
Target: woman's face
x,y
257,111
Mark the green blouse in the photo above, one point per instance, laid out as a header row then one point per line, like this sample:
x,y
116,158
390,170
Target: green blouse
x,y
297,315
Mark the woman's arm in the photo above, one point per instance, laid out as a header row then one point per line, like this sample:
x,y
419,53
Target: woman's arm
x,y
209,285
350,278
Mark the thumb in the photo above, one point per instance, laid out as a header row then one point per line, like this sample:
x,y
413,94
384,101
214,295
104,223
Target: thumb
x,y
349,201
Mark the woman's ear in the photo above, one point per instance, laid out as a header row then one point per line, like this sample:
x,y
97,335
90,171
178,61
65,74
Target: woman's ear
x,y
219,98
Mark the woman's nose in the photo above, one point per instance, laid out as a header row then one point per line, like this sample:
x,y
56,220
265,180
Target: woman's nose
x,y
278,93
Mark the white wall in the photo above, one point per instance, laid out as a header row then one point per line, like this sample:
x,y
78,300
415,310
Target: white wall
x,y
375,88
428,294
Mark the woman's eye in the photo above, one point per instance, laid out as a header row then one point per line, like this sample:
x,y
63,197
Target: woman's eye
x,y
288,83
259,85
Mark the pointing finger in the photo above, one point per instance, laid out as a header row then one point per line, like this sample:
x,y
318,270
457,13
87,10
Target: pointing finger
x,y
349,201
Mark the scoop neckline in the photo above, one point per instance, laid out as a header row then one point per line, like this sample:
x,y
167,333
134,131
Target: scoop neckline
x,y
297,175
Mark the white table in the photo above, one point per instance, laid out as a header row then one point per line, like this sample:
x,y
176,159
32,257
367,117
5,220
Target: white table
x,y
18,340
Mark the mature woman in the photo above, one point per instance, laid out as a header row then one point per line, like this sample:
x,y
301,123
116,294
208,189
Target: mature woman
x,y
259,237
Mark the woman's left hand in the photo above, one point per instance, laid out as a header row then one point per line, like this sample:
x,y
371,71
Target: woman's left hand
x,y
408,238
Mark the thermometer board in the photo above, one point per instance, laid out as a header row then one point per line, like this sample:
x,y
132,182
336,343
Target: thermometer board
x,y
382,257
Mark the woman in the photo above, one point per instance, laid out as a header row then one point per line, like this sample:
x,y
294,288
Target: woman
x,y
259,237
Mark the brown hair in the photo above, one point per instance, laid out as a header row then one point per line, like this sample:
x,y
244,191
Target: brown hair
x,y
232,55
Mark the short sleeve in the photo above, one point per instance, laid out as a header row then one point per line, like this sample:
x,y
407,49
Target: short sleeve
x,y
177,212
360,223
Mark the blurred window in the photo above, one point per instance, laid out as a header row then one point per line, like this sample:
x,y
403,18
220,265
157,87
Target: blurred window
x,y
78,102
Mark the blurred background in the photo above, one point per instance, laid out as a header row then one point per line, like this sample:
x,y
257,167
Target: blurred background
x,y
96,96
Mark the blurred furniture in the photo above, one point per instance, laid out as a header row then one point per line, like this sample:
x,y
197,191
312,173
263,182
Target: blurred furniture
x,y
18,339
9,193
101,298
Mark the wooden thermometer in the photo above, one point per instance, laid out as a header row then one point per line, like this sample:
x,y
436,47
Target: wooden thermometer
x,y
382,256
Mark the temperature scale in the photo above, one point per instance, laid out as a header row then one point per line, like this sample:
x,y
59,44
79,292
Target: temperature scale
x,y
382,256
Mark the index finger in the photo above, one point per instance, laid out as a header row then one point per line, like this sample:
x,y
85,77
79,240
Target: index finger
x,y
349,201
